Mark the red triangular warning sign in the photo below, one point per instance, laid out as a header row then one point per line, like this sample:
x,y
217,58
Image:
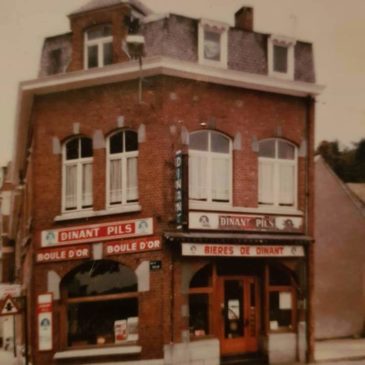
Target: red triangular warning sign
x,y
9,307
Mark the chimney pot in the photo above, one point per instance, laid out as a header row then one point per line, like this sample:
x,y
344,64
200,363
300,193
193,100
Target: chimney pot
x,y
244,18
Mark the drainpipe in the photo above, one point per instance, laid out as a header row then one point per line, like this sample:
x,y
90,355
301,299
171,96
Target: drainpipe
x,y
309,252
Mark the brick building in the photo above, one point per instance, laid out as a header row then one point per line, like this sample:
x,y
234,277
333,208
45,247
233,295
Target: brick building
x,y
167,165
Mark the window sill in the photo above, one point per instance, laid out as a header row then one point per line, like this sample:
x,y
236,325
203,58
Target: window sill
x,y
232,209
92,352
98,213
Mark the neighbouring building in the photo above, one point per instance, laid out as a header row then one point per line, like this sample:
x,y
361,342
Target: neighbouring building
x,y
339,303
167,164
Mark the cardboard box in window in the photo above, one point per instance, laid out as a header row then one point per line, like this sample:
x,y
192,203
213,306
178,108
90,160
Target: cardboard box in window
x,y
120,331
132,327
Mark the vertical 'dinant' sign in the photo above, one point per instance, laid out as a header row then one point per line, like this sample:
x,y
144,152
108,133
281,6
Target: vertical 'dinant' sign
x,y
180,189
45,323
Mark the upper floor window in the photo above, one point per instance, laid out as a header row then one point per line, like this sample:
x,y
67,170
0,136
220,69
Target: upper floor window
x,y
122,168
277,173
281,57
210,167
213,43
98,46
77,174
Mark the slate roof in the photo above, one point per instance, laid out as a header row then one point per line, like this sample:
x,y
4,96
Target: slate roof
x,y
98,4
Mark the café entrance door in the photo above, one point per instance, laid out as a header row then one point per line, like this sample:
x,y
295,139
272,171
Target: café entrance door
x,y
239,314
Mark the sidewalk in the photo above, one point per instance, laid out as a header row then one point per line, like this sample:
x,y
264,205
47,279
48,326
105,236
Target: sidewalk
x,y
340,349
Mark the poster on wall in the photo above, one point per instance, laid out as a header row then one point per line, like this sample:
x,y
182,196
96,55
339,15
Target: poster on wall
x,y
45,323
120,330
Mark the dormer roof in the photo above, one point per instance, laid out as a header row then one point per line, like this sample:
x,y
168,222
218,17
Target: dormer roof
x,y
99,4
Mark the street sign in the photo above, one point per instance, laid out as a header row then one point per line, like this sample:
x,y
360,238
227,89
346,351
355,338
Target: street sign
x,y
9,307
11,290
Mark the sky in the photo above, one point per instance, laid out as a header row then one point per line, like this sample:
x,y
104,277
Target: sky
x,y
335,27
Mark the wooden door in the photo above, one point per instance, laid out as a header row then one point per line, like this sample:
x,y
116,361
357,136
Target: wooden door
x,y
238,320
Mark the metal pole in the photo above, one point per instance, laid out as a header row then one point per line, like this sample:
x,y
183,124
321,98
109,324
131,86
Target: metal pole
x,y
14,336
25,330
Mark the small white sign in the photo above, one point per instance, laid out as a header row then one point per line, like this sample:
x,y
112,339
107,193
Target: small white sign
x,y
44,309
11,290
285,301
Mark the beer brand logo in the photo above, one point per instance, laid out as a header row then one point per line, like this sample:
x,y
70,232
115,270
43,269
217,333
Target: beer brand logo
x,y
204,221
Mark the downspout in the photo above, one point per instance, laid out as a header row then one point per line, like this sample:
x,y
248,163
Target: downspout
x,y
309,257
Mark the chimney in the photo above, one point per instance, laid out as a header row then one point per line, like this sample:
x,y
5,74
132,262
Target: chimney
x,y
244,18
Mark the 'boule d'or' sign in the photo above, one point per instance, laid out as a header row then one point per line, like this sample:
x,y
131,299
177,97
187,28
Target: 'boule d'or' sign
x,y
245,222
63,254
132,246
97,232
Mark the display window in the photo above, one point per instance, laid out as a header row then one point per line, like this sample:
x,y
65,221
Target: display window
x,y
200,302
101,304
281,300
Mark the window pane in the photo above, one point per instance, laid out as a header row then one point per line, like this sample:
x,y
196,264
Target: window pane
x,y
202,278
86,147
115,188
199,314
286,150
266,182
87,185
93,323
212,45
280,310
198,177
220,179
71,187
280,59
98,278
132,179
199,141
92,56
72,149
107,53
279,276
267,148
55,62
286,184
99,31
116,143
131,141
220,143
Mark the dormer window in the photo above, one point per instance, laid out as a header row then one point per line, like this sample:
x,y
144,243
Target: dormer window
x,y
98,46
281,57
213,43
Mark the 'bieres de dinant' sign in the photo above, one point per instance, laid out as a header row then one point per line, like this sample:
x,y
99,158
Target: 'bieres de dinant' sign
x,y
97,232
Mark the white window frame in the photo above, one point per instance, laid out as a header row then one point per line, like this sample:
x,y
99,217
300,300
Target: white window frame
x,y
289,44
123,157
217,27
79,163
99,42
194,203
276,163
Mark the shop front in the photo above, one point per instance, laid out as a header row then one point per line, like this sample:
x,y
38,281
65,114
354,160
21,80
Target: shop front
x,y
244,292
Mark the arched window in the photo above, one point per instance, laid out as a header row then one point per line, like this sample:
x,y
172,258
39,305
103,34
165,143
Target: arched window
x,y
277,173
102,304
200,299
282,299
77,174
98,46
122,168
210,167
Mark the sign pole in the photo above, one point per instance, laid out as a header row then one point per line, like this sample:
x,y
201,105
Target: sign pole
x,y
25,324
